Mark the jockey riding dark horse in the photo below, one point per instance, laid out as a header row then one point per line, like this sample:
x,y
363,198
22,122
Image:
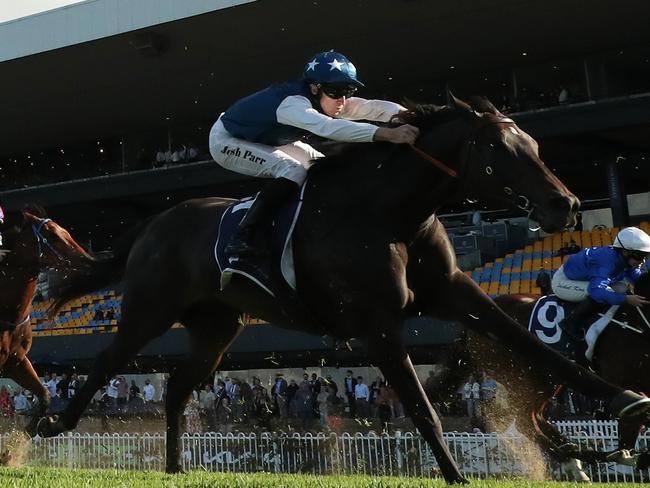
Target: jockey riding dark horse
x,y
593,275
369,253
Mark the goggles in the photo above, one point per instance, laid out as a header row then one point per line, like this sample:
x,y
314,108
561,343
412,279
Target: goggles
x,y
338,91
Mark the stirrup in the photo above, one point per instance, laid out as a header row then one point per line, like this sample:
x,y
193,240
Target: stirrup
x,y
629,404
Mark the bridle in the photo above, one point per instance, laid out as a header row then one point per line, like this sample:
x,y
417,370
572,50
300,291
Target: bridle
x,y
518,200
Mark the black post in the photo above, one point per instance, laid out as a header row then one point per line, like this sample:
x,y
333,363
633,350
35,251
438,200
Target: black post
x,y
617,196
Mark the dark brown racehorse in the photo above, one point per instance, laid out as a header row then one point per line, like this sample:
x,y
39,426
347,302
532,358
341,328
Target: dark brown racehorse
x,y
32,243
369,252
620,357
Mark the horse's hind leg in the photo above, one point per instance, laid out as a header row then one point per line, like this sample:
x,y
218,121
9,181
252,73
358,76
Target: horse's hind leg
x,y
143,318
212,328
395,364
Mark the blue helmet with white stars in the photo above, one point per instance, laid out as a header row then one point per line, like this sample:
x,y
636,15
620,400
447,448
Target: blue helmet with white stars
x,y
330,67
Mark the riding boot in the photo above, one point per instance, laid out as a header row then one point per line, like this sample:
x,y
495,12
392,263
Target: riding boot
x,y
266,204
573,324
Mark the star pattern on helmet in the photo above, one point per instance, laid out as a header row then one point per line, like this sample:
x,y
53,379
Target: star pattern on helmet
x,y
311,65
336,64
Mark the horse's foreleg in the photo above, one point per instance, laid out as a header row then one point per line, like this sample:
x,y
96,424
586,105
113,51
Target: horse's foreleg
x,y
23,373
398,370
212,329
469,304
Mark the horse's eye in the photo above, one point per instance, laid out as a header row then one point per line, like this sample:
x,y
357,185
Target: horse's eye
x,y
491,146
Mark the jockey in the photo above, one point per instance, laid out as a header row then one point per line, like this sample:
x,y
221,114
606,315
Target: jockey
x,y
590,277
260,135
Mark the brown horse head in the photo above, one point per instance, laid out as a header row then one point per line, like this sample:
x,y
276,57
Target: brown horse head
x,y
495,159
36,242
503,163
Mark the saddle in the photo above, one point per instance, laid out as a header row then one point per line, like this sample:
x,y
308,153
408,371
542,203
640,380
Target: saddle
x,y
547,314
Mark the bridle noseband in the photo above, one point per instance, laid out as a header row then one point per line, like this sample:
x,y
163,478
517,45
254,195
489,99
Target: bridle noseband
x,y
520,201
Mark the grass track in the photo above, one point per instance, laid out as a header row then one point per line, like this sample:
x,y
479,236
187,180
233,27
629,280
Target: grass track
x,y
62,478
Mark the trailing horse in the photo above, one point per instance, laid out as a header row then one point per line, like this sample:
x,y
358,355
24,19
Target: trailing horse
x,y
620,357
32,243
369,252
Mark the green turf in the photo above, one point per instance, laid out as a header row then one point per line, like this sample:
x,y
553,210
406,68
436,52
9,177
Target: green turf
x,y
55,478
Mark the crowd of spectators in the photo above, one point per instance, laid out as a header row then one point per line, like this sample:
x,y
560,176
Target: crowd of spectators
x,y
182,154
312,402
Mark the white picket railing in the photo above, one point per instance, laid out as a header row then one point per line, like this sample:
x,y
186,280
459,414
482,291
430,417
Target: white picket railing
x,y
400,453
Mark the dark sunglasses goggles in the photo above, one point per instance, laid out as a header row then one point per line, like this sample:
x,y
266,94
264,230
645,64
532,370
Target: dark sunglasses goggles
x,y
338,91
638,255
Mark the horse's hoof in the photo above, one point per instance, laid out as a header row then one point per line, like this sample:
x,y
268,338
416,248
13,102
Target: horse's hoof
x,y
629,404
175,469
643,461
623,456
458,480
49,426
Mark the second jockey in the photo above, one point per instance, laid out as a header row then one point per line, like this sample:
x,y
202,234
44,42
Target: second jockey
x,y
260,135
590,276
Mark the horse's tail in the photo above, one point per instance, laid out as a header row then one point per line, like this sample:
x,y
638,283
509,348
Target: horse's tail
x,y
105,270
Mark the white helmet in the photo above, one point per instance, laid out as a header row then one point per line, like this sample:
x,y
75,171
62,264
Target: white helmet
x,y
632,239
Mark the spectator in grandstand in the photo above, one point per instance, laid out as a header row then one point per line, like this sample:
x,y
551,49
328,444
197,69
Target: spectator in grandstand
x,y
207,404
315,387
134,390
122,391
374,392
349,384
591,276
6,402
301,404
261,401
260,135
74,385
51,383
568,248
488,393
361,399
323,401
292,389
192,415
112,390
224,413
384,402
543,281
58,402
149,391
21,404
472,396
279,393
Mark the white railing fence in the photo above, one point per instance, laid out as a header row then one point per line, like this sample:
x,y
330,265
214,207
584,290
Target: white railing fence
x,y
400,453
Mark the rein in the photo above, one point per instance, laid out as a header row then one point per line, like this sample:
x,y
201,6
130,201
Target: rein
x,y
518,200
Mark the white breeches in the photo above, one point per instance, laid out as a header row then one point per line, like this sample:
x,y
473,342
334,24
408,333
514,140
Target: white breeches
x,y
566,289
576,291
260,160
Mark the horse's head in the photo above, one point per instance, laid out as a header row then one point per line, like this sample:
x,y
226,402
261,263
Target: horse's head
x,y
37,242
497,160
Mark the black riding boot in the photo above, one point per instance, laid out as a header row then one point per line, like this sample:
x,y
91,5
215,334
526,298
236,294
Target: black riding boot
x,y
269,200
573,324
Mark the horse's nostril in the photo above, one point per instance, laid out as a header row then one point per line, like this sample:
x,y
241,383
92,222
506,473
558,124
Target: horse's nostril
x,y
562,203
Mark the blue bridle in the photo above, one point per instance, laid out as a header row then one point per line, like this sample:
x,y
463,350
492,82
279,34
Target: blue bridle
x,y
42,240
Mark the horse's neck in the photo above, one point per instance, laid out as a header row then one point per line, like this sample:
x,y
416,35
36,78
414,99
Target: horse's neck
x,y
391,187
18,289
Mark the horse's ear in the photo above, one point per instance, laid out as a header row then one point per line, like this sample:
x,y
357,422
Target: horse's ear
x,y
456,103
35,210
483,105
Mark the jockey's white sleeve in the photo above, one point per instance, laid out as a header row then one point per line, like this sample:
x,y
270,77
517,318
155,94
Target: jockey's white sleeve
x,y
361,109
297,111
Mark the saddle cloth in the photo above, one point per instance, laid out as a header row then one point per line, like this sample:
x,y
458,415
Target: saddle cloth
x,y
550,310
274,271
